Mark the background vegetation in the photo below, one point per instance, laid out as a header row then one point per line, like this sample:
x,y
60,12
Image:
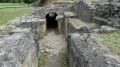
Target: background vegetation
x,y
17,1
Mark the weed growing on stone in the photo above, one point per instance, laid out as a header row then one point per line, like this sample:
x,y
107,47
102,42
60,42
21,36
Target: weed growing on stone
x,y
40,37
57,32
42,60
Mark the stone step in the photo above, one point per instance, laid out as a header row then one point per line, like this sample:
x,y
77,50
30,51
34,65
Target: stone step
x,y
20,30
100,21
107,29
69,14
32,23
59,17
83,26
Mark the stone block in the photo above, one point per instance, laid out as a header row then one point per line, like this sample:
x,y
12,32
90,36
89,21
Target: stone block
x,y
83,52
42,27
16,49
20,30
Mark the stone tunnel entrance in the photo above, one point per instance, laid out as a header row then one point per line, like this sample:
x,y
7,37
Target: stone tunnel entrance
x,y
51,22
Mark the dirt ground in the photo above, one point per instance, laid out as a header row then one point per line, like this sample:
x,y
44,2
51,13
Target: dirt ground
x,y
53,45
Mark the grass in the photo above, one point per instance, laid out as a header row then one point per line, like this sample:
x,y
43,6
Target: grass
x,y
42,60
40,37
57,32
10,4
8,14
111,40
65,60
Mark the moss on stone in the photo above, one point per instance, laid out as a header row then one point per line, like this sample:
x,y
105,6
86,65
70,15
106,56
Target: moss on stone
x,y
75,22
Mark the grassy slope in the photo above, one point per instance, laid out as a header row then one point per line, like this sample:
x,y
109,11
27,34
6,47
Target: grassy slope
x,y
11,13
111,40
10,4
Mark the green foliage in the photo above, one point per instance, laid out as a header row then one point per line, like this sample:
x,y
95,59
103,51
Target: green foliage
x,y
10,4
18,1
42,60
57,32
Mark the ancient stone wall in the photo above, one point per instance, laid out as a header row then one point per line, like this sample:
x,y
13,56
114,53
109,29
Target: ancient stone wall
x,y
43,11
86,51
19,49
107,14
83,10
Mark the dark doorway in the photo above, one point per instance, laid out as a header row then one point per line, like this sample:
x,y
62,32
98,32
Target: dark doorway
x,y
51,20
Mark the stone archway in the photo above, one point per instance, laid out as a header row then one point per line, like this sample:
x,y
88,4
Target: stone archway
x,y
51,22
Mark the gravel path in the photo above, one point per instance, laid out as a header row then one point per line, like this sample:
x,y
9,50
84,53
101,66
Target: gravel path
x,y
53,45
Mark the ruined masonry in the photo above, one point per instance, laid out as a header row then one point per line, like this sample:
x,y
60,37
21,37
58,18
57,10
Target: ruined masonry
x,y
77,21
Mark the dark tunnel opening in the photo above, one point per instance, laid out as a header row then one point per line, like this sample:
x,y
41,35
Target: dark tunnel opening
x,y
51,22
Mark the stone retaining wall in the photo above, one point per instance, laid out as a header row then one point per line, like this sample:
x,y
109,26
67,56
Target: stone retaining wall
x,y
83,10
19,49
86,51
43,11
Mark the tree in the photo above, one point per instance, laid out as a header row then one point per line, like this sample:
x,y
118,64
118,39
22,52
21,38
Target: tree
x,y
13,1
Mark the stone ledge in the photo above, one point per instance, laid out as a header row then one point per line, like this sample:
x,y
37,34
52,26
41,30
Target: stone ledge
x,y
20,30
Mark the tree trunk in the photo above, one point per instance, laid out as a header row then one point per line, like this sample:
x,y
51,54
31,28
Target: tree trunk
x,y
13,1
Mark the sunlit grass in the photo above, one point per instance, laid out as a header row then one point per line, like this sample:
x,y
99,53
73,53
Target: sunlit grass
x,y
8,14
111,40
11,4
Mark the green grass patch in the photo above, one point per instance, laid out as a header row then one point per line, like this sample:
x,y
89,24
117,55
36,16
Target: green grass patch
x,y
42,60
57,32
65,59
11,4
8,14
111,40
40,37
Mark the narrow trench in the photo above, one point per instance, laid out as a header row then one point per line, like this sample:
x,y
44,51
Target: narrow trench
x,y
53,45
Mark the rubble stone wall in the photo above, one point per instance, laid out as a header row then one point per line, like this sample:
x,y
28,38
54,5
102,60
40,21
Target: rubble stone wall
x,y
41,12
108,14
83,10
84,52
